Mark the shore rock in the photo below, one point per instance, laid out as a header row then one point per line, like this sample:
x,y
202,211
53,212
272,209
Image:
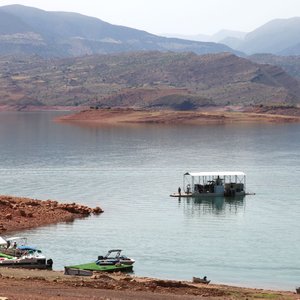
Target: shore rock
x,y
18,213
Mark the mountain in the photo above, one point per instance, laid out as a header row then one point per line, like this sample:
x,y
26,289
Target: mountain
x,y
145,79
290,64
27,30
196,37
280,36
218,37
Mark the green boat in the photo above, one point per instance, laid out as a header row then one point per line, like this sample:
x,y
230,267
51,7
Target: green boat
x,y
89,268
2,255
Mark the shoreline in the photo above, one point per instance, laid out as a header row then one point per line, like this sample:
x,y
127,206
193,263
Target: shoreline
x,y
18,213
208,115
13,214
42,284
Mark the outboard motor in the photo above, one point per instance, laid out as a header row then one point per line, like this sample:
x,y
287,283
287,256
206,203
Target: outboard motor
x,y
100,257
49,263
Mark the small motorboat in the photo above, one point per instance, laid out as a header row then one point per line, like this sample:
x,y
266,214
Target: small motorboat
x,y
15,254
28,261
201,280
114,257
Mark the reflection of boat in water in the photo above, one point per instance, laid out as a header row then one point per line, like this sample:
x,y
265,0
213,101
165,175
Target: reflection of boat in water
x,y
212,205
212,184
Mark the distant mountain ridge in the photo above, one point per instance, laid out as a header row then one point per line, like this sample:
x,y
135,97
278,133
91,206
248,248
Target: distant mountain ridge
x,y
218,37
27,30
278,36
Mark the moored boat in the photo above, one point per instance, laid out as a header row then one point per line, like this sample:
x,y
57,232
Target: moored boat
x,y
89,268
27,261
205,184
201,280
113,257
15,255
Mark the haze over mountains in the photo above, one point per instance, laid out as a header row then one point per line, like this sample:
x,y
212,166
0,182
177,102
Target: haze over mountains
x,y
280,37
27,30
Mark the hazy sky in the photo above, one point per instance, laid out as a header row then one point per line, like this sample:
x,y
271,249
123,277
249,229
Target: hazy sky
x,y
176,16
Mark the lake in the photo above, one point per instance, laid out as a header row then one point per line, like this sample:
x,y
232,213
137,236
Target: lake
x,y
130,172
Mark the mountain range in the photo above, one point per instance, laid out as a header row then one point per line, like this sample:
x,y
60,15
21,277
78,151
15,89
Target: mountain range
x,y
27,30
145,79
61,58
279,37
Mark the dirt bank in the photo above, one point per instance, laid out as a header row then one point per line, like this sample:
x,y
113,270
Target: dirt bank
x,y
37,284
22,213
213,115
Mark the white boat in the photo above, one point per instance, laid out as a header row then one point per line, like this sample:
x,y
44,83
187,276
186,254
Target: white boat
x,y
114,257
31,260
225,184
15,255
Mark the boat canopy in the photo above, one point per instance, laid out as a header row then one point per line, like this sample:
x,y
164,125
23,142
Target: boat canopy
x,y
28,248
21,239
202,174
2,241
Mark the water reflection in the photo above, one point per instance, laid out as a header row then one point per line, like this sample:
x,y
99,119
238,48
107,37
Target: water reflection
x,y
212,205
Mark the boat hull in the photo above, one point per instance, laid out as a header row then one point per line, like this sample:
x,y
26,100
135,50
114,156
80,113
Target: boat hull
x,y
27,264
200,280
207,195
89,268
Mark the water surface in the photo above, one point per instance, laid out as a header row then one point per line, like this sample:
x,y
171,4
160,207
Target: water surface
x,y
130,172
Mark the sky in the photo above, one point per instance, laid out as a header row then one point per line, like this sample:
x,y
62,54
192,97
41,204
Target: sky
x,y
184,17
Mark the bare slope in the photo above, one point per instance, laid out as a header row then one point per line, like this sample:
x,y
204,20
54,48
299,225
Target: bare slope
x,y
147,79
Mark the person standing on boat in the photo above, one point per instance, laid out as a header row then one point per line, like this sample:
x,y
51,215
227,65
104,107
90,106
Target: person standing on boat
x,y
179,191
188,188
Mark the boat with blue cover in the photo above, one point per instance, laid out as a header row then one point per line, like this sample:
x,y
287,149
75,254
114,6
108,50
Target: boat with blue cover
x,y
13,255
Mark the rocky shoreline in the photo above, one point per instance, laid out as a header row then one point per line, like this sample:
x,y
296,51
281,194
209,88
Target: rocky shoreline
x,y
18,213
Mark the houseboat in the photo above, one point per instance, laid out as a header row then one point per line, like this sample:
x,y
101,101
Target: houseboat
x,y
224,184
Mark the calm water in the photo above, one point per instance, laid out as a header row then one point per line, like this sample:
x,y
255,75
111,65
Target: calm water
x,y
130,173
